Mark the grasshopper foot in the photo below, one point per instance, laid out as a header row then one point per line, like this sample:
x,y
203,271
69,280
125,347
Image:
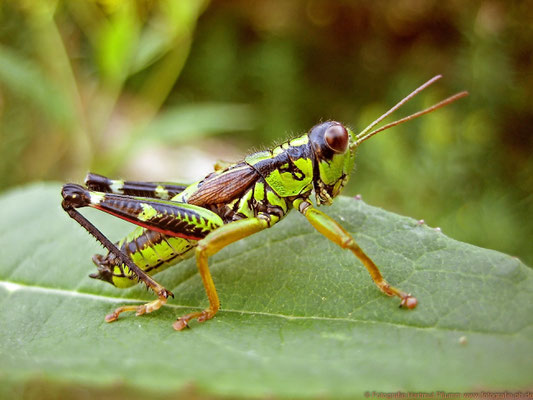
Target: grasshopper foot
x,y
407,300
183,322
139,310
112,316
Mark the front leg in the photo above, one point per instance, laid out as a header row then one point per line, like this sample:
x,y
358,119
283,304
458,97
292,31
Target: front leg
x,y
211,244
328,227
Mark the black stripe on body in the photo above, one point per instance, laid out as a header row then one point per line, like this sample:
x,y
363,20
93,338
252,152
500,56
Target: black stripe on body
x,y
248,205
291,154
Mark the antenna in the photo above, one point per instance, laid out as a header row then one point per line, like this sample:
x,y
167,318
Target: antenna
x,y
361,137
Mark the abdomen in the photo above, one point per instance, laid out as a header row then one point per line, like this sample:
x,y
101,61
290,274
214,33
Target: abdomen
x,y
151,251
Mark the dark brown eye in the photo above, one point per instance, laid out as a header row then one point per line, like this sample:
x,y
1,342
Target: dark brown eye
x,y
337,138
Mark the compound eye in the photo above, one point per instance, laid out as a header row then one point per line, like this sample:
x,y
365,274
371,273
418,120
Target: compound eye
x,y
336,138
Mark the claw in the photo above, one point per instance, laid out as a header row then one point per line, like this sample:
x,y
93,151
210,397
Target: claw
x,y
409,302
180,324
139,310
183,322
111,317
165,293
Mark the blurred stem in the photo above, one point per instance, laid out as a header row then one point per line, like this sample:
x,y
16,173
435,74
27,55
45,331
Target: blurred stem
x,y
112,83
160,82
53,54
154,92
100,28
88,17
90,20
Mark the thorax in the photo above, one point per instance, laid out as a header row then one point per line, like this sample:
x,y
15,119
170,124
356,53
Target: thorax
x,y
266,183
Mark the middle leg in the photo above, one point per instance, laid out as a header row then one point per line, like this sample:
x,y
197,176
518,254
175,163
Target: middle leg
x,y
211,244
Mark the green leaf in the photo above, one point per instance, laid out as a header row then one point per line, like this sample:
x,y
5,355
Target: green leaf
x,y
300,317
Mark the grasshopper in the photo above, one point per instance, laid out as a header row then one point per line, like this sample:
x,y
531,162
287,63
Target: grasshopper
x,y
233,202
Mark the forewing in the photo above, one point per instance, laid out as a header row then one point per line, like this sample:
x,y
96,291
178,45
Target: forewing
x,y
224,187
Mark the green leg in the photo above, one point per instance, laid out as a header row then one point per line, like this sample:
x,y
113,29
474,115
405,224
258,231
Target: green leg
x,y
211,244
328,227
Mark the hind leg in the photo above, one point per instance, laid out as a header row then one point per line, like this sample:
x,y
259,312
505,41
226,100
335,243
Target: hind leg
x,y
154,190
171,218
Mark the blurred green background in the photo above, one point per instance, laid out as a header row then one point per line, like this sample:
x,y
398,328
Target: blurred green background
x,y
160,90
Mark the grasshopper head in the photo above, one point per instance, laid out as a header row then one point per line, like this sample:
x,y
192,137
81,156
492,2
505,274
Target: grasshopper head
x,y
334,147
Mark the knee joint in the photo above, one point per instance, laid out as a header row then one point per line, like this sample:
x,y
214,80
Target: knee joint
x,y
202,246
348,243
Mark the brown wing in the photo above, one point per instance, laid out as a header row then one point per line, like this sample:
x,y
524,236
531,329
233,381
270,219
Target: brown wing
x,y
224,187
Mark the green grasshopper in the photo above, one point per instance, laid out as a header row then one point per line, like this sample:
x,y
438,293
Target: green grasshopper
x,y
233,202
